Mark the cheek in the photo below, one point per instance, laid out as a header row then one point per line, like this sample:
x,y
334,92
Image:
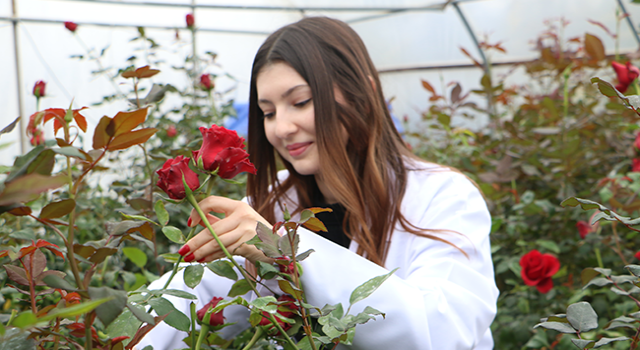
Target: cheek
x,y
269,131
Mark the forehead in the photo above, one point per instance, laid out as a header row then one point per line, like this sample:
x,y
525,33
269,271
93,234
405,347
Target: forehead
x,y
277,75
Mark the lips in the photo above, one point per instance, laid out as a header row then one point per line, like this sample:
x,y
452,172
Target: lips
x,y
297,149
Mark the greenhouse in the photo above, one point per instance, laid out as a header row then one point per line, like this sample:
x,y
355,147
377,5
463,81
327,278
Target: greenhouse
x,y
293,174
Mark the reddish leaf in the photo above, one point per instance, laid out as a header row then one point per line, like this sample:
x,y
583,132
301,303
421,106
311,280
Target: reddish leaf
x,y
428,86
58,209
142,72
100,136
599,24
80,119
320,210
62,142
142,331
41,243
127,121
314,224
35,263
455,93
475,62
17,274
594,47
131,138
27,187
101,254
40,277
84,251
20,211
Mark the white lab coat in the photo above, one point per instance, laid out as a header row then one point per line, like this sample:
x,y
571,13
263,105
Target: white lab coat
x,y
438,299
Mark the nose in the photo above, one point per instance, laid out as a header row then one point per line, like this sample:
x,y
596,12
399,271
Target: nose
x,y
285,126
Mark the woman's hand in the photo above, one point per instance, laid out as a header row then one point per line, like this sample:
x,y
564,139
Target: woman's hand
x,y
238,226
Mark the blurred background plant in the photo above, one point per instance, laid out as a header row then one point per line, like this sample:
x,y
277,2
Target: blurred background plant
x,y
552,138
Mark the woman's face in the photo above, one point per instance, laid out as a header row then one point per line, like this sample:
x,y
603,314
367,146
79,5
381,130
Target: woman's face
x,y
289,122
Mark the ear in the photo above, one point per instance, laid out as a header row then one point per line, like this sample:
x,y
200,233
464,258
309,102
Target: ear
x,y
373,83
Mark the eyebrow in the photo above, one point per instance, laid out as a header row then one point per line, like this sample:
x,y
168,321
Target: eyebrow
x,y
286,93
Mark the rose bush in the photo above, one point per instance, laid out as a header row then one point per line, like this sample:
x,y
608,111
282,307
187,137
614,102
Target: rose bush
x,y
223,150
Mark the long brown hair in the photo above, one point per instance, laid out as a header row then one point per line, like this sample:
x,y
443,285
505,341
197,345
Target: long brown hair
x,y
369,177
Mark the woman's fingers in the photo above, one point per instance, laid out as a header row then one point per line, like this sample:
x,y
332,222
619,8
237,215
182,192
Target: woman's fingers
x,y
213,204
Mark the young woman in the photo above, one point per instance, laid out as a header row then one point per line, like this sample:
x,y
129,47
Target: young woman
x,y
316,103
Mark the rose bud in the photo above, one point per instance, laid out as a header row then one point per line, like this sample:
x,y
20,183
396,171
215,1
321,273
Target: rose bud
x,y
170,177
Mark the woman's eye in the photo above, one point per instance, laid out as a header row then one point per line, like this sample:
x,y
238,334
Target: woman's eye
x,y
268,115
302,103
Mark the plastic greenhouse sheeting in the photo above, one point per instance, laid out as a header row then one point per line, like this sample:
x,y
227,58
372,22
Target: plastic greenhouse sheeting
x,y
409,40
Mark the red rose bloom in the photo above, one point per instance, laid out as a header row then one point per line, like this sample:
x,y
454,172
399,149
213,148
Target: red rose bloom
x,y
637,255
584,228
71,26
285,264
216,319
205,81
171,131
223,149
635,166
636,143
191,21
284,310
38,89
37,137
538,268
170,177
626,75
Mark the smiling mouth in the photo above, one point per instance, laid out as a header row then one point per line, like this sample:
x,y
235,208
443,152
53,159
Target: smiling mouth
x,y
297,149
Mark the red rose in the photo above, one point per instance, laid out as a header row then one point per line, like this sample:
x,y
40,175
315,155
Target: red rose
x,y
284,310
626,75
637,255
38,89
191,21
637,141
285,264
635,166
584,228
216,319
37,137
171,131
205,81
170,177
223,149
538,268
71,26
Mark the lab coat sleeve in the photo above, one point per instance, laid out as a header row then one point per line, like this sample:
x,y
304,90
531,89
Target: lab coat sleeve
x,y
439,298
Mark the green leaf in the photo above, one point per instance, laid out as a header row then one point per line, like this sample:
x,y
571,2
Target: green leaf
x,y
171,257
588,274
583,343
549,245
304,255
140,314
605,341
55,281
138,218
75,310
223,268
582,316
600,282
108,311
173,234
136,256
70,151
126,324
161,213
27,187
367,288
57,209
175,318
305,215
25,319
634,269
193,275
285,245
240,288
268,241
266,271
288,288
556,326
267,304
17,339
174,292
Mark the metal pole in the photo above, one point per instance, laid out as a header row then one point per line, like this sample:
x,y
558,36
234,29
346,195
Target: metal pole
x,y
16,49
472,35
630,22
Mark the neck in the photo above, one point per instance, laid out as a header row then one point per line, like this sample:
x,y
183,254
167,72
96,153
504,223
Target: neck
x,y
328,195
